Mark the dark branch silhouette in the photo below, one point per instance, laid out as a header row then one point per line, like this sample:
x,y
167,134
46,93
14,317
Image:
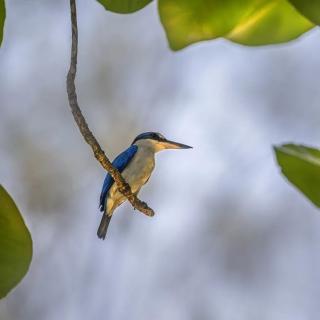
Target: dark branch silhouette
x,y
123,186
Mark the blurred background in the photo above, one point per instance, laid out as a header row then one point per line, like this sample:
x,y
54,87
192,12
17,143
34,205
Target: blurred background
x,y
231,239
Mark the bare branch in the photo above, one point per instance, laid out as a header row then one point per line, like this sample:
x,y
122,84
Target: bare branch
x,y
123,186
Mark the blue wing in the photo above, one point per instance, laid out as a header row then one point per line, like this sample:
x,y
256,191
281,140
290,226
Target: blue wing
x,y
120,162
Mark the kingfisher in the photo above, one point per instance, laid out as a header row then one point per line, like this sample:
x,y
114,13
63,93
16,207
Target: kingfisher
x,y
136,165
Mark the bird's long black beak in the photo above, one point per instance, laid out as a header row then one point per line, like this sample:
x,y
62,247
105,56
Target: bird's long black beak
x,y
168,144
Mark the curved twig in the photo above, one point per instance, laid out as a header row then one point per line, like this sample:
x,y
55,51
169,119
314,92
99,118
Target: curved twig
x,y
99,154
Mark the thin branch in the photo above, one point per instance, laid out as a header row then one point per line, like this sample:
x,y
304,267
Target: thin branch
x,y
99,154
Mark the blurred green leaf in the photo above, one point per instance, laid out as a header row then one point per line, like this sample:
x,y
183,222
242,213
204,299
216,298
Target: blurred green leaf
x,y
250,22
309,8
187,22
15,244
2,18
301,166
124,6
276,21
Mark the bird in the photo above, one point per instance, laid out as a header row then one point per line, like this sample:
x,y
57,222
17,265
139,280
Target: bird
x,y
135,164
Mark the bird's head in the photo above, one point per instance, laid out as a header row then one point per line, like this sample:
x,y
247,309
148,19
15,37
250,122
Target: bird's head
x,y
157,141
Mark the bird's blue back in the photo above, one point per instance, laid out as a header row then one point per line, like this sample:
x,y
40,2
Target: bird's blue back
x,y
120,162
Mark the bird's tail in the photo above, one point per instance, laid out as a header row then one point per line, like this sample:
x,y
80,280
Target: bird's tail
x,y
103,227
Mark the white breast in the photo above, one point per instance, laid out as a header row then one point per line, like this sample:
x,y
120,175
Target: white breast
x,y
137,173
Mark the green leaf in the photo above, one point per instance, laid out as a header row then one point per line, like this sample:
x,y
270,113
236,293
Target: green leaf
x,y
275,22
187,22
124,6
2,18
250,22
15,244
301,166
309,8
